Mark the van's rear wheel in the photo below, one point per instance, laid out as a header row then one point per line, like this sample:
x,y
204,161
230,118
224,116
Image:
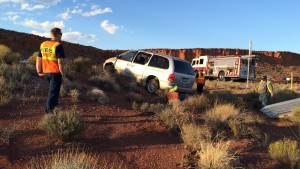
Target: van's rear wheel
x,y
221,76
152,86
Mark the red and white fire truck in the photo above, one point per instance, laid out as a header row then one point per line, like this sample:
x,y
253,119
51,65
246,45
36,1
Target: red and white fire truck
x,y
226,67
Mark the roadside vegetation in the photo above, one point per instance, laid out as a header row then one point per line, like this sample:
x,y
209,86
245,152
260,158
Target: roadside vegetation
x,y
75,157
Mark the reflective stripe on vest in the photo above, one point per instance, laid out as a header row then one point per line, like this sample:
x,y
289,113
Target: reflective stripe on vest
x,y
47,51
201,79
49,59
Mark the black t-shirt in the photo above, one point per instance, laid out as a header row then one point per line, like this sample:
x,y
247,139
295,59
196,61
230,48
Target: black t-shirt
x,y
59,51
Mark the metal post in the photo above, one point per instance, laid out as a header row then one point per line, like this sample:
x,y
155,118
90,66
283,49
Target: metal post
x,y
248,73
292,80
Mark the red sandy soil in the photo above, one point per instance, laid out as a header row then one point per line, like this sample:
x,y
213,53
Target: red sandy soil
x,y
117,132
114,130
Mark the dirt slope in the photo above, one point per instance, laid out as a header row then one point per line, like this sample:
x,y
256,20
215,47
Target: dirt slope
x,y
279,64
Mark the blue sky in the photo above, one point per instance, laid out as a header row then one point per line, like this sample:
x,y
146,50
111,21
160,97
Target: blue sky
x,y
272,25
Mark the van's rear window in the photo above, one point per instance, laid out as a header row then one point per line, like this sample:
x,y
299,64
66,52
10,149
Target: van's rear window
x,y
159,62
183,67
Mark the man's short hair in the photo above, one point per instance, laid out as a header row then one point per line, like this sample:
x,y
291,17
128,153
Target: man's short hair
x,y
56,31
264,78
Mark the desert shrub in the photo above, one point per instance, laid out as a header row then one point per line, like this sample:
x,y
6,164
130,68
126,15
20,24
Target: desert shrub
x,y
98,95
173,116
147,108
83,64
72,158
250,98
225,97
135,106
69,68
218,116
74,95
286,152
68,86
105,82
244,126
7,56
12,78
32,58
295,115
8,132
62,124
283,95
197,103
216,156
193,135
132,96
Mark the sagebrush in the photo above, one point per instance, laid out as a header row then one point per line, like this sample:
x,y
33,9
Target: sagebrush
x,y
63,124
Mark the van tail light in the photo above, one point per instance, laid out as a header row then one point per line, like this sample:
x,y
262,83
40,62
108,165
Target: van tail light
x,y
171,77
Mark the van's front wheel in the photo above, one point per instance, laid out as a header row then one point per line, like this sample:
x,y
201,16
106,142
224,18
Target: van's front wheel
x,y
152,86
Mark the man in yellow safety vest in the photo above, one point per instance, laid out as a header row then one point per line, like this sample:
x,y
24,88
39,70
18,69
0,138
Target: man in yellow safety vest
x,y
200,80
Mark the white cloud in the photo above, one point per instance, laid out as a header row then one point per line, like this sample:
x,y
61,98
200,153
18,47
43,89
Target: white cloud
x,y
47,35
15,1
13,18
76,10
96,11
26,6
93,7
73,36
47,26
48,2
66,15
110,28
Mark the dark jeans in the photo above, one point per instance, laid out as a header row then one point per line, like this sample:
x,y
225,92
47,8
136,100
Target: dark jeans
x,y
199,88
54,80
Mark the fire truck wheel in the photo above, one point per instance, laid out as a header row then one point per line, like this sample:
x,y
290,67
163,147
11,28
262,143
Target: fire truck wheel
x,y
221,76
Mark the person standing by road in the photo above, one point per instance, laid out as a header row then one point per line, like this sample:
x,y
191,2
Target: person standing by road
x,y
49,64
200,80
265,90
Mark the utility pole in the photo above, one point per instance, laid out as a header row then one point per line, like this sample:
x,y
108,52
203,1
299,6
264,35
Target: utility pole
x,y
248,73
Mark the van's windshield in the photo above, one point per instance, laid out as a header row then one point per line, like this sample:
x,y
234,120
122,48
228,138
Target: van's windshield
x,y
183,67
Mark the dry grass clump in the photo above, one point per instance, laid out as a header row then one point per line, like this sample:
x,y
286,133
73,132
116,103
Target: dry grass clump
x,y
226,97
295,115
98,95
197,104
193,135
218,116
62,124
72,158
8,132
244,126
32,58
83,64
7,56
174,115
283,95
136,97
68,86
286,152
105,82
250,99
75,95
215,155
12,78
147,108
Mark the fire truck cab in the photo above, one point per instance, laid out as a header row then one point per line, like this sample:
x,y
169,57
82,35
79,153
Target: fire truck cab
x,y
226,67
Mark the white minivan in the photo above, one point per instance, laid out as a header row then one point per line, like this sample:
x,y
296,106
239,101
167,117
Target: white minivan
x,y
152,70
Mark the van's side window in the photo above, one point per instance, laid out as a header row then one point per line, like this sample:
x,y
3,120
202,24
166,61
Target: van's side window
x,y
142,58
201,61
128,56
159,62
